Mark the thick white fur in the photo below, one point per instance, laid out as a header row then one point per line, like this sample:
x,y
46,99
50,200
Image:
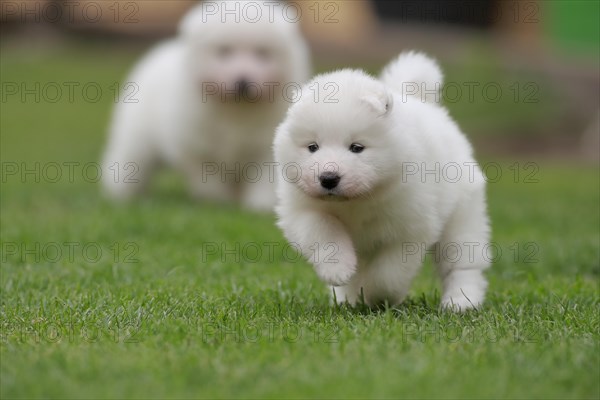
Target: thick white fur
x,y
414,74
206,137
361,236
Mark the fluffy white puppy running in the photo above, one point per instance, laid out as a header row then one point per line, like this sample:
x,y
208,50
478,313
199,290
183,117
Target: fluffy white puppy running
x,y
207,103
375,178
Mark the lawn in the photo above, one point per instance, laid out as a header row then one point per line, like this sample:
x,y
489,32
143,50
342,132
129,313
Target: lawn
x,y
171,298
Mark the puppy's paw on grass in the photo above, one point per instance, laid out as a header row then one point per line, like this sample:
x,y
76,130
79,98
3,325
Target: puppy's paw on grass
x,y
460,300
338,272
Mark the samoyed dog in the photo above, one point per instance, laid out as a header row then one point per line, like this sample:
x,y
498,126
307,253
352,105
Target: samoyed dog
x,y
207,103
376,178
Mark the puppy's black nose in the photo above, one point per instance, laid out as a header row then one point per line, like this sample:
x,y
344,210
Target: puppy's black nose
x,y
329,180
242,85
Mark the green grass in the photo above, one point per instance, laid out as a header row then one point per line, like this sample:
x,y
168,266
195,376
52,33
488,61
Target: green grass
x,y
163,316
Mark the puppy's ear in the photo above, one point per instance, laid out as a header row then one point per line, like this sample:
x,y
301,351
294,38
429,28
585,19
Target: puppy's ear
x,y
381,103
194,20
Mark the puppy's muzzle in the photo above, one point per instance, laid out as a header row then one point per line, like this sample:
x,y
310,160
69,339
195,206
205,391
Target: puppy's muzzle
x,y
329,180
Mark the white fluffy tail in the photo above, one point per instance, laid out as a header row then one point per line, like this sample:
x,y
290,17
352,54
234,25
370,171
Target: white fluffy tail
x,y
414,74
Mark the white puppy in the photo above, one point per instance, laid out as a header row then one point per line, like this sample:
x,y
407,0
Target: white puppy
x,y
377,177
207,103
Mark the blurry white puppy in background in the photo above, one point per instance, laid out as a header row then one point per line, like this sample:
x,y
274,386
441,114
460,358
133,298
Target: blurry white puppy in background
x,y
367,207
208,103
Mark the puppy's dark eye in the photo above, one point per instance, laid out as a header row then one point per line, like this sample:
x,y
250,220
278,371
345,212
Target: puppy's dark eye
x,y
313,147
356,148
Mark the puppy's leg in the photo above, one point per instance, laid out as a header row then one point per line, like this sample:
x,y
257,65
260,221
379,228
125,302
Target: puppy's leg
x,y
323,240
460,255
129,160
386,278
259,195
207,181
349,293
